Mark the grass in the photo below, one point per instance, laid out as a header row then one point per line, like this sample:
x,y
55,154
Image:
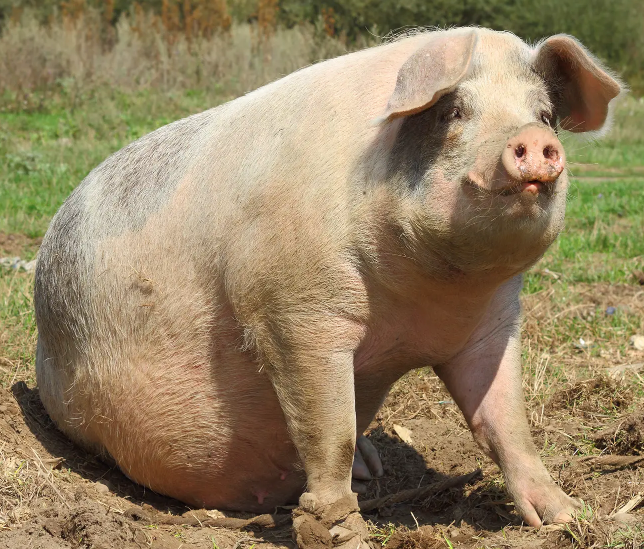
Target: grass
x,y
622,148
603,240
17,328
569,336
44,154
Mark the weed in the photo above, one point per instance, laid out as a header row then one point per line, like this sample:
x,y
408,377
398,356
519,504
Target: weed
x,y
382,533
38,62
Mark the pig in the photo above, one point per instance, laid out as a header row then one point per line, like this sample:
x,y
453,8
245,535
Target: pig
x,y
224,304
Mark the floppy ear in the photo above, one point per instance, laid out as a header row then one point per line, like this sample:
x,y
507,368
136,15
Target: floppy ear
x,y
583,87
431,72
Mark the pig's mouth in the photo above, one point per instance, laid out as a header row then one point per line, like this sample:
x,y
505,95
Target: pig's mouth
x,y
531,187
525,188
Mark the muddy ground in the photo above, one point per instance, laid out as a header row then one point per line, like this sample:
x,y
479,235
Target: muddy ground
x,y
590,432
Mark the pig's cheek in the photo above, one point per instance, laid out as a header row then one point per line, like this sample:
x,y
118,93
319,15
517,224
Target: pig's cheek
x,y
444,197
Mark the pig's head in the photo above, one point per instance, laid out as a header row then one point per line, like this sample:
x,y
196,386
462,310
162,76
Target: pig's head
x,y
476,153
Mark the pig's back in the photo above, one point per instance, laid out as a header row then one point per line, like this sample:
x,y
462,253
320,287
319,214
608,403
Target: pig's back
x,y
299,132
181,195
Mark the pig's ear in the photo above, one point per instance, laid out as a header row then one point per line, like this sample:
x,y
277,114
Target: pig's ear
x,y
583,88
431,72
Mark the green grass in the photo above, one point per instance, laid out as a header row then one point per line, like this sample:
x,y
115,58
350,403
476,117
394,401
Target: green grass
x,y
46,152
603,240
622,148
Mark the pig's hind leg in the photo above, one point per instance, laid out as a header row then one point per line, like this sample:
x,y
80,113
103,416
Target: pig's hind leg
x,y
366,465
485,381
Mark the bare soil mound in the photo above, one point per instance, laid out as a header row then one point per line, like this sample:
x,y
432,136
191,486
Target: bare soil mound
x,y
592,395
625,436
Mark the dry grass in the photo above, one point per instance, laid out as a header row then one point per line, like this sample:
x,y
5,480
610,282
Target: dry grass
x,y
19,486
17,329
143,54
568,335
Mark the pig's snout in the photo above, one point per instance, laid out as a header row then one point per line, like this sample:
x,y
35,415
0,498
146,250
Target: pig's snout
x,y
534,154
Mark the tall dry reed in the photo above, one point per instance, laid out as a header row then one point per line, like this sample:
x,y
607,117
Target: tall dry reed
x,y
144,51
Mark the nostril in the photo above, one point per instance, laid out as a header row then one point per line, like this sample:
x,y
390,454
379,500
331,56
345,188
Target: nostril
x,y
550,153
519,151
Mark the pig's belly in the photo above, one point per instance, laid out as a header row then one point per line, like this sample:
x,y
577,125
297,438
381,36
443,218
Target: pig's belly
x,y
212,436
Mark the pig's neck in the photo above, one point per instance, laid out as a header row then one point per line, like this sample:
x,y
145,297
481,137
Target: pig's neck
x,y
422,306
445,313
405,262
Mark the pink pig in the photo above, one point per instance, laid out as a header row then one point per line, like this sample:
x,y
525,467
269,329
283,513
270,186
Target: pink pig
x,y
223,304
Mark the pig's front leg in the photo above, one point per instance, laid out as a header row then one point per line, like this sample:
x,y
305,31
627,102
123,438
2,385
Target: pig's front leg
x,y
315,388
485,381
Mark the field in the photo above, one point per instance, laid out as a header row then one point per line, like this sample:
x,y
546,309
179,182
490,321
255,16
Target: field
x,y
583,303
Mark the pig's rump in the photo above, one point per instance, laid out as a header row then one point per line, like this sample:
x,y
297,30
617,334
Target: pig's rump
x,y
143,361
177,407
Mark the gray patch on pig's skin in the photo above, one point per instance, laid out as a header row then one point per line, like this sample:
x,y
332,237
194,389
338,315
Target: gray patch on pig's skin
x,y
64,261
417,146
138,180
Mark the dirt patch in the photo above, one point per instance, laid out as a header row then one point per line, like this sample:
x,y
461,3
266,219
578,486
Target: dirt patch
x,y
425,537
628,297
624,437
639,277
592,395
602,178
584,168
90,525
16,244
87,524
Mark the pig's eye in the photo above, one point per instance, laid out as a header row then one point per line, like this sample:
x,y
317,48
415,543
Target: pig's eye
x,y
546,118
453,114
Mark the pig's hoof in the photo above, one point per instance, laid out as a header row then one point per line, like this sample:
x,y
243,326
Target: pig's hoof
x,y
546,504
338,525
